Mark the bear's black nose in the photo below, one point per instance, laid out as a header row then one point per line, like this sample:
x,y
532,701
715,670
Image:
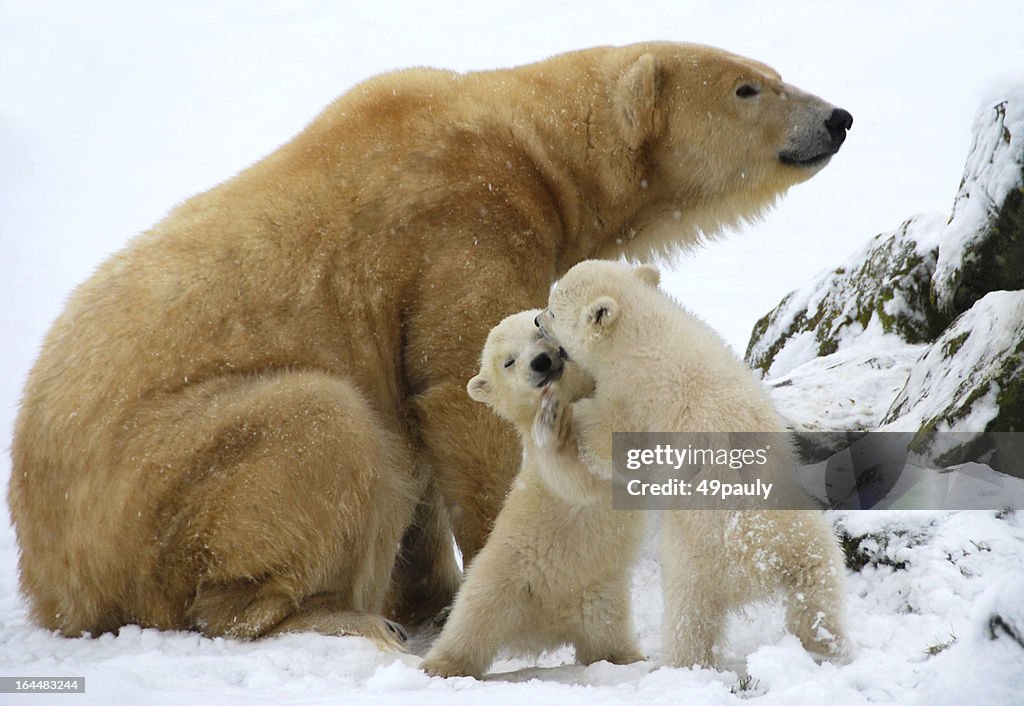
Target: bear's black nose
x,y
837,124
541,364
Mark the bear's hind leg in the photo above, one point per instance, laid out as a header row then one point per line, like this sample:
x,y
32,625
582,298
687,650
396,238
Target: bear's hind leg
x,y
813,587
696,606
607,633
287,510
492,610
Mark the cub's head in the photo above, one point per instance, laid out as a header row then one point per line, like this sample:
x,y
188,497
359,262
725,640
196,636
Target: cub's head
x,y
586,307
722,136
516,363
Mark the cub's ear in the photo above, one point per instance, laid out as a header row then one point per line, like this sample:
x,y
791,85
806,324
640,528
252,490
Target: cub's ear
x,y
648,274
602,314
479,389
636,99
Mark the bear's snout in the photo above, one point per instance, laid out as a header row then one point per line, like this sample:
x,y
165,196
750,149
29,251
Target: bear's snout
x,y
837,124
817,137
541,363
545,367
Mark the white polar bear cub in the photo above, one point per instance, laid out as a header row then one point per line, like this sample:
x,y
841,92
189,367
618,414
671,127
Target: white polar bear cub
x,y
556,566
658,368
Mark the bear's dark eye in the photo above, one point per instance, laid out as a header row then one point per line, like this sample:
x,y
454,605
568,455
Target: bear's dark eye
x,y
510,362
747,91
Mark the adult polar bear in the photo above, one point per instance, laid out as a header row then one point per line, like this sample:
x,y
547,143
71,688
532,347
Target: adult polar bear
x,y
253,419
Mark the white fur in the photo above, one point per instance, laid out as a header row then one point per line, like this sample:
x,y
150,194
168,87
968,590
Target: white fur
x,y
555,568
658,368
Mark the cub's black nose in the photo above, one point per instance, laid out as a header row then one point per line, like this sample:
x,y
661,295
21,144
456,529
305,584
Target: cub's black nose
x,y
541,364
837,124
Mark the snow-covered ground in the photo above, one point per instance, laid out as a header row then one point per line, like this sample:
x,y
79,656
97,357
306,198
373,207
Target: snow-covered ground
x,y
960,568
112,112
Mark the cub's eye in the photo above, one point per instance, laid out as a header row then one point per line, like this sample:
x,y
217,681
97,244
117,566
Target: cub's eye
x,y
747,91
510,362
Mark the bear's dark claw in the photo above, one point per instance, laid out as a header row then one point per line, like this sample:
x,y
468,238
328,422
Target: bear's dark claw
x,y
397,630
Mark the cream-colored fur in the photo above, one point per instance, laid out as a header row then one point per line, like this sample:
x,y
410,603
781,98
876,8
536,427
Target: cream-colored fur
x,y
253,418
555,569
658,368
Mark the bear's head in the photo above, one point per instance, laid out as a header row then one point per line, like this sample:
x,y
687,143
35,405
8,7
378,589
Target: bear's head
x,y
720,137
585,309
516,363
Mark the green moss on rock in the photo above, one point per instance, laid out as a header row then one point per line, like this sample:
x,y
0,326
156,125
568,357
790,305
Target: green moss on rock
x,y
995,260
950,347
890,281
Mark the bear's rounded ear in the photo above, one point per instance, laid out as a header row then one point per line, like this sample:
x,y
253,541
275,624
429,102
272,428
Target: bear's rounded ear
x,y
479,389
602,313
648,274
635,100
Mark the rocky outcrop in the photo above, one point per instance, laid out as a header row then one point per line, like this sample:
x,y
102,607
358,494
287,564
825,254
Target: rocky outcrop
x,y
972,377
939,300
886,286
982,248
971,382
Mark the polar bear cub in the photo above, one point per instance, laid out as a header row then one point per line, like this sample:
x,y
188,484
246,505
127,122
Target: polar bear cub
x,y
658,368
556,566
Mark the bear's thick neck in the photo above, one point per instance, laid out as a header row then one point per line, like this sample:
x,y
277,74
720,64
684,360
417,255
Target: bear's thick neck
x,y
596,182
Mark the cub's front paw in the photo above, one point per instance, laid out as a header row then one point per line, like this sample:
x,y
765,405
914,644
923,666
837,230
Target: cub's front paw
x,y
552,426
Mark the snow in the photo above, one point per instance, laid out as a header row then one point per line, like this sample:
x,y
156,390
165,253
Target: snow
x,y
829,393
112,112
961,568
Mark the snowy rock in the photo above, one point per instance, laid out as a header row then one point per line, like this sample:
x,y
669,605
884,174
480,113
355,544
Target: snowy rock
x,y
922,329
970,379
890,541
912,282
885,286
982,248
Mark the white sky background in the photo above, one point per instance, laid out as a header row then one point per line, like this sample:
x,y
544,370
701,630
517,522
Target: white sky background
x,y
113,112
